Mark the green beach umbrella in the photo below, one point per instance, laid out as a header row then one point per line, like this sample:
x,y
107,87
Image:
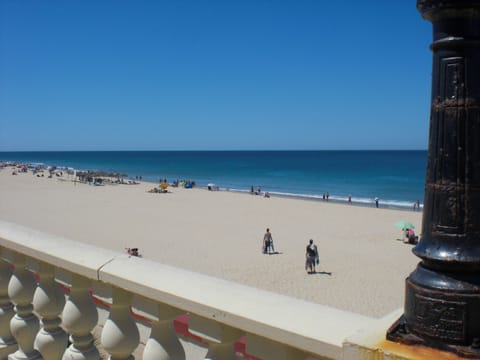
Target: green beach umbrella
x,y
404,225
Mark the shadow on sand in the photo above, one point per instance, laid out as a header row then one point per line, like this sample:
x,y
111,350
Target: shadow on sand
x,y
319,273
407,242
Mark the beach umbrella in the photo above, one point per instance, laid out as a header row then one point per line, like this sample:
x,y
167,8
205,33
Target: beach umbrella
x,y
404,225
164,185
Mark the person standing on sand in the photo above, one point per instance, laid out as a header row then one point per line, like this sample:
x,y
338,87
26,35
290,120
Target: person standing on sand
x,y
312,257
268,242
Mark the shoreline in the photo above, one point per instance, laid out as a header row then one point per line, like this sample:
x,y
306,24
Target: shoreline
x,y
363,259
333,198
398,180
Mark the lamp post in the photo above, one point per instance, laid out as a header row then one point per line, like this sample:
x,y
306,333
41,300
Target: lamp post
x,y
442,297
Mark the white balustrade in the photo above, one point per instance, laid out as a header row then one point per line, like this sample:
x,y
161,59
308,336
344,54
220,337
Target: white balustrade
x,y
24,325
48,303
221,312
163,343
8,345
120,335
80,316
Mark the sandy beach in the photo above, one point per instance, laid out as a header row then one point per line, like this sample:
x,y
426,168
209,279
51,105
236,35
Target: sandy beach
x,y
363,260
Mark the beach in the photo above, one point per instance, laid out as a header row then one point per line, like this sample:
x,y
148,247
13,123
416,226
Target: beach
x,y
363,259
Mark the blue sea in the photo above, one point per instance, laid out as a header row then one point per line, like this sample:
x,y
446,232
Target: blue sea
x,y
397,178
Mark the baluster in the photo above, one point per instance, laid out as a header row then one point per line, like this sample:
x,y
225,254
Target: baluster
x,y
221,337
24,325
8,344
163,343
48,302
80,315
120,335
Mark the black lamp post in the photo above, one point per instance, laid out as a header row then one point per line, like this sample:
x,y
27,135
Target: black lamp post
x,y
442,301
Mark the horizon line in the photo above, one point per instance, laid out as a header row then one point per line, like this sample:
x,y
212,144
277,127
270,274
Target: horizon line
x,y
209,150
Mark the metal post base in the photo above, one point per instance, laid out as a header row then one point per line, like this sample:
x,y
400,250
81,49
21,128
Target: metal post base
x,y
442,311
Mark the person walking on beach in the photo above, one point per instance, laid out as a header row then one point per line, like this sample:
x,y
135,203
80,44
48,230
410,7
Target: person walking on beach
x,y
268,242
312,257
376,202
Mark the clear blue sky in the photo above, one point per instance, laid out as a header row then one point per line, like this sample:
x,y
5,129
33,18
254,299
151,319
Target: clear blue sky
x,y
213,75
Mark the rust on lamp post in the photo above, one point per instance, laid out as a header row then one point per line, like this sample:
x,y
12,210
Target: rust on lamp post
x,y
442,296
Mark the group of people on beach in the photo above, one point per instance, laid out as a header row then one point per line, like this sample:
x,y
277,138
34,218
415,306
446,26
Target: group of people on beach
x,y
186,183
312,257
259,192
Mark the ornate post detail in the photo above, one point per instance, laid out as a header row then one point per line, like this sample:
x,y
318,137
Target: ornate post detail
x,y
24,325
221,337
80,315
442,298
8,344
163,343
120,335
48,302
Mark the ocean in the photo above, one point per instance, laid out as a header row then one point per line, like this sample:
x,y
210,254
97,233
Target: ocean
x,y
397,178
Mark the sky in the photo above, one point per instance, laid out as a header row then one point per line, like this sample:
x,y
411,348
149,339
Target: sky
x,y
213,75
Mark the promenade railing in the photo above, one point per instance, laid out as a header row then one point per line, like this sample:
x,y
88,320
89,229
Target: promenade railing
x,y
53,289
